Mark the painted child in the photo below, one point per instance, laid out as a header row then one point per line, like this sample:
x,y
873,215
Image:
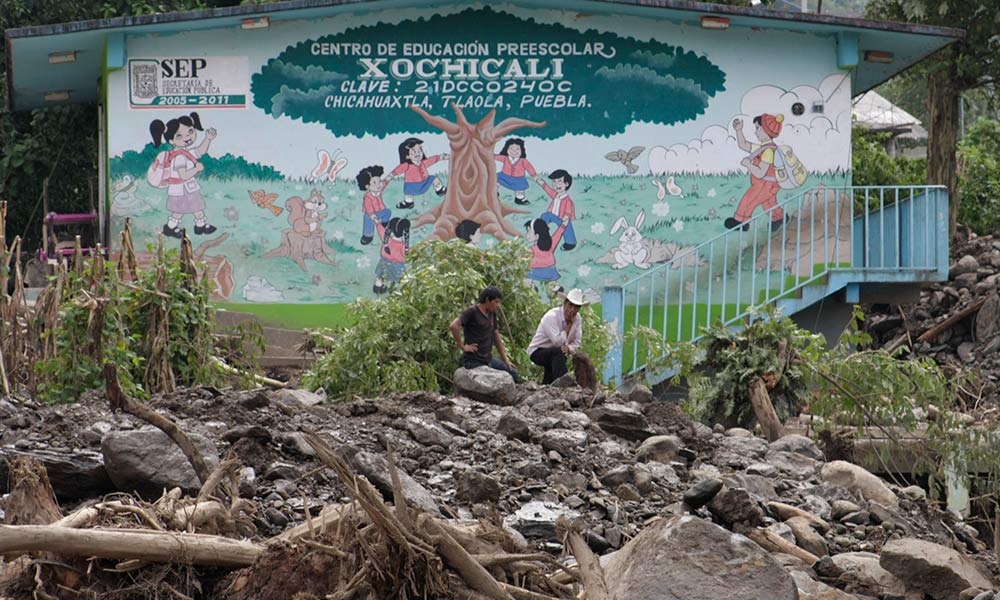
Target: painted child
x,y
515,165
764,185
372,207
561,209
395,244
413,166
468,231
543,249
183,192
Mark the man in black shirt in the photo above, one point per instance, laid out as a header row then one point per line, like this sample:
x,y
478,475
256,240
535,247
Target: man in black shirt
x,y
478,323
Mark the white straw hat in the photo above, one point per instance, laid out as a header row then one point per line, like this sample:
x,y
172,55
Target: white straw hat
x,y
575,296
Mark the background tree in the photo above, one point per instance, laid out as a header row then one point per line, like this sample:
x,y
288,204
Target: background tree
x,y
644,81
968,64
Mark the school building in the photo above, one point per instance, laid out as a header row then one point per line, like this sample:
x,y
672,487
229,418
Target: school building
x,y
680,161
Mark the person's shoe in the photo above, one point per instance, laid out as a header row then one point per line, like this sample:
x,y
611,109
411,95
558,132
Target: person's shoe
x,y
521,201
365,240
404,205
568,246
442,191
778,223
204,229
174,232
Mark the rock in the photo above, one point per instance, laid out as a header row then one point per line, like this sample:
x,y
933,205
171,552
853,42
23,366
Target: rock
x,y
842,508
931,568
661,448
799,444
617,476
628,493
428,433
859,480
563,441
639,394
670,560
514,426
964,351
810,589
966,264
621,420
965,280
787,511
816,505
793,464
863,570
255,432
702,493
806,537
857,518
739,432
972,593
537,520
571,419
376,469
295,443
783,531
486,385
73,475
146,461
475,487
661,473
988,319
301,397
736,506
739,452
914,492
96,432
760,487
567,380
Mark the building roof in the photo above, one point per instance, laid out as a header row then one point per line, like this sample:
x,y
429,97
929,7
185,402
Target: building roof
x,y
873,112
30,75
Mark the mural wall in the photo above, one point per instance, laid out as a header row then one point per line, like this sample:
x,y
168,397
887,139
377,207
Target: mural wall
x,y
305,159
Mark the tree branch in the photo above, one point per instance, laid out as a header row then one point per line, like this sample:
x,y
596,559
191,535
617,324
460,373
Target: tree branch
x,y
511,123
440,122
460,116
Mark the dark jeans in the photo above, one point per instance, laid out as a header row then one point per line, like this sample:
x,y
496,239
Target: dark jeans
x,y
552,360
495,363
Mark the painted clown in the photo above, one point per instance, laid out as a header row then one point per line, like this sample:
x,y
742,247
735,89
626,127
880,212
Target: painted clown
x,y
760,162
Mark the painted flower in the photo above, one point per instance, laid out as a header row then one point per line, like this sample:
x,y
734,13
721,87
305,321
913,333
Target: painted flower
x,y
597,228
711,193
678,225
583,270
351,193
338,235
334,198
230,213
661,209
363,262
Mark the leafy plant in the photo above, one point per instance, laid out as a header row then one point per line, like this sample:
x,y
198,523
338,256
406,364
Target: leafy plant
x,y
979,178
400,341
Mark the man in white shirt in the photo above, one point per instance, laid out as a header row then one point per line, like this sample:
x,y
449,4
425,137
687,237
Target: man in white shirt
x,y
558,336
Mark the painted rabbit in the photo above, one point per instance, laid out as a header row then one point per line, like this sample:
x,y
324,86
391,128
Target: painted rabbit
x,y
631,250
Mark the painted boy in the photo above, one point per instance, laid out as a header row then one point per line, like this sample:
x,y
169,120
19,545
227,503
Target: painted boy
x,y
413,165
372,207
561,209
764,185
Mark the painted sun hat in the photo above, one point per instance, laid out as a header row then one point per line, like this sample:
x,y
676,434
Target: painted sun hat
x,y
575,296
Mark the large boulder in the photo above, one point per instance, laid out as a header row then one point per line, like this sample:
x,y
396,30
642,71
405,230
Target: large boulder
x,y
799,444
661,448
858,479
563,441
621,420
428,432
810,589
73,475
862,571
933,569
486,385
147,461
688,558
376,469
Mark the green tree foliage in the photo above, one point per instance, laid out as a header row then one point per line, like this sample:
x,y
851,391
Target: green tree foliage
x,y
968,64
58,142
872,165
223,167
664,84
400,340
979,178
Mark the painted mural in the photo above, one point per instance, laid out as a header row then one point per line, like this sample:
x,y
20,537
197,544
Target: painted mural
x,y
305,160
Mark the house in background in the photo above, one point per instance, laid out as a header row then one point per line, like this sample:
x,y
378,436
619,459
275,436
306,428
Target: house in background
x,y
875,113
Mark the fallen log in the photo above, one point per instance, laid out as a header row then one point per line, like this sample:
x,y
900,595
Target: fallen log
x,y
142,544
764,410
591,572
230,370
772,542
933,332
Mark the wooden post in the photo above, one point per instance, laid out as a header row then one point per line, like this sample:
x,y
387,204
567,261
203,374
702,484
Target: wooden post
x,y
764,410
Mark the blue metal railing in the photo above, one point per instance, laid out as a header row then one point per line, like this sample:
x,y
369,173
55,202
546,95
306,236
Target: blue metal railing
x,y
866,233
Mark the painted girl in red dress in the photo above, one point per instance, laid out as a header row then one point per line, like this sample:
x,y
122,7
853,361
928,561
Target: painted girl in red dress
x,y
764,185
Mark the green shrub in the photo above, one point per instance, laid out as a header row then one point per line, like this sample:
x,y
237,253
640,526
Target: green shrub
x,y
223,167
400,341
979,178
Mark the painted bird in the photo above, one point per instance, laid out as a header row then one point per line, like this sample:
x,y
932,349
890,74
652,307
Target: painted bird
x,y
265,200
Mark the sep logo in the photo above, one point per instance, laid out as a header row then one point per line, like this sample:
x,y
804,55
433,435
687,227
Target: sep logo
x,y
181,68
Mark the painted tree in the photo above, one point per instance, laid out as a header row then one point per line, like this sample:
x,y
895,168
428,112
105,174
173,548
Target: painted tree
x,y
547,77
969,63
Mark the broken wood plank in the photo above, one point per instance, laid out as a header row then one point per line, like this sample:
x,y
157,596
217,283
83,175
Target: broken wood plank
x,y
594,583
124,544
933,332
773,542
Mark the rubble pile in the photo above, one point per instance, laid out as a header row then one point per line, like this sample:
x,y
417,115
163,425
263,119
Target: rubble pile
x,y
957,322
528,470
